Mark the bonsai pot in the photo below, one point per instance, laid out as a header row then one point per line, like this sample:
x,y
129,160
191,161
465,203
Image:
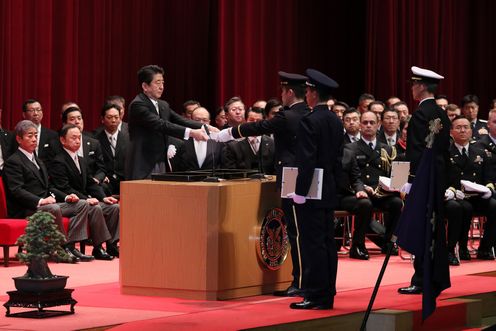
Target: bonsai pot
x,y
26,284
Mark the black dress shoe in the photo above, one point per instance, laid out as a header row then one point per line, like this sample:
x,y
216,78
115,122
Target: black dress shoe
x,y
81,256
394,250
464,254
71,258
359,253
485,255
452,259
412,289
310,304
100,254
113,250
289,292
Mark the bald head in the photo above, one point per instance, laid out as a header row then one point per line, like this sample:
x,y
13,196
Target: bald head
x,y
201,115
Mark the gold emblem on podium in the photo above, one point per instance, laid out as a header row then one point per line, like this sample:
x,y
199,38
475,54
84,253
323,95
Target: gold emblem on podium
x,y
273,245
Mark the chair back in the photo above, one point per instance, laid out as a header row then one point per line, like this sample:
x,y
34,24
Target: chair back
x,y
3,201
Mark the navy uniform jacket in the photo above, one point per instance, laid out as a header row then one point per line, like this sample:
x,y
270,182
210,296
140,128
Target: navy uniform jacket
x,y
487,145
284,126
479,124
369,161
418,129
320,145
472,169
148,134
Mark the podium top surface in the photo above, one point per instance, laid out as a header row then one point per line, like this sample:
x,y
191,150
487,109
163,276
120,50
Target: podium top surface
x,y
229,182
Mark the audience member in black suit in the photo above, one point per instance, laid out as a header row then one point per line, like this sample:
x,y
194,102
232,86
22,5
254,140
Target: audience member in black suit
x,y
29,190
351,122
245,154
235,112
390,131
339,107
402,108
488,144
198,155
70,174
283,126
320,145
121,102
114,144
151,121
470,109
32,111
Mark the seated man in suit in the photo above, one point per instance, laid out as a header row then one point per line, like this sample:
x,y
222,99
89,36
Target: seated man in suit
x,y
121,102
351,123
390,132
70,174
198,155
470,109
114,144
32,111
374,160
245,154
468,162
29,190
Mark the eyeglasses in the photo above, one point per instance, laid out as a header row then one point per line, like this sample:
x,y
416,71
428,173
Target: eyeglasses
x,y
369,122
34,110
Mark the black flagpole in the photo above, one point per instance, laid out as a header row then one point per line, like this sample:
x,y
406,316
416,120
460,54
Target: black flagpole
x,y
390,246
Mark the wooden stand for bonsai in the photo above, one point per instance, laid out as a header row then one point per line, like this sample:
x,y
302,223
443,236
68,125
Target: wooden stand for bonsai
x,y
40,301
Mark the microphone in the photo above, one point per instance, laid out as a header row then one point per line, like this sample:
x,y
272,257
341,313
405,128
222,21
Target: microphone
x,y
212,178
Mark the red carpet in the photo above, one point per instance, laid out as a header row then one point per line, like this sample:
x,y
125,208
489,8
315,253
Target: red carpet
x,y
100,302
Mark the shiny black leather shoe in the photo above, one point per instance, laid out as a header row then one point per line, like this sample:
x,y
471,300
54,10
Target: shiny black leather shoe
x,y
289,292
412,289
452,259
72,258
100,254
113,250
485,255
309,304
81,256
464,254
359,253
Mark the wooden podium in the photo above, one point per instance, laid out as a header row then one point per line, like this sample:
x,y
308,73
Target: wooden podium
x,y
196,240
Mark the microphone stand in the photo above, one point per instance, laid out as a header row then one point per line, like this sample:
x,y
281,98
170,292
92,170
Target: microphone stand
x,y
260,174
212,178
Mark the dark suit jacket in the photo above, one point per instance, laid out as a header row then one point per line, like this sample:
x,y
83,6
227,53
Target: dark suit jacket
x,y
66,177
92,153
239,155
284,126
381,136
486,144
25,185
148,132
186,159
479,124
320,145
114,164
46,140
369,161
8,144
98,130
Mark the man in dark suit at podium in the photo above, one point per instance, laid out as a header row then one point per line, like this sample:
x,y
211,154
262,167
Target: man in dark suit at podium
x,y
284,126
320,145
151,121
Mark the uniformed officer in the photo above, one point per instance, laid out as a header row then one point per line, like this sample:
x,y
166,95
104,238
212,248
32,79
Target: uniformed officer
x,y
320,144
424,85
284,126
488,144
374,160
467,162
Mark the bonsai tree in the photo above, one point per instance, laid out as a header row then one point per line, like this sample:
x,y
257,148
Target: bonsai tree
x,y
41,240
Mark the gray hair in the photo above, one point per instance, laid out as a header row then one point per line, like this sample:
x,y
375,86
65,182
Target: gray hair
x,y
23,126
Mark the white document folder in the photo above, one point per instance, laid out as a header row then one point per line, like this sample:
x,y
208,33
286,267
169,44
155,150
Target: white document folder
x,y
399,174
289,175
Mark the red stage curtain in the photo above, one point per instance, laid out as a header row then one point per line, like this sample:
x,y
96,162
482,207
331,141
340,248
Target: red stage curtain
x,y
451,37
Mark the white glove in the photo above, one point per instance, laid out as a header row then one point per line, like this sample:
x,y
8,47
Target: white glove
x,y
449,195
298,199
406,188
487,194
223,136
171,151
459,195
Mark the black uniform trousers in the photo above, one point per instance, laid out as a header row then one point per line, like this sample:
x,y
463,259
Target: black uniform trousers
x,y
287,208
319,260
363,210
